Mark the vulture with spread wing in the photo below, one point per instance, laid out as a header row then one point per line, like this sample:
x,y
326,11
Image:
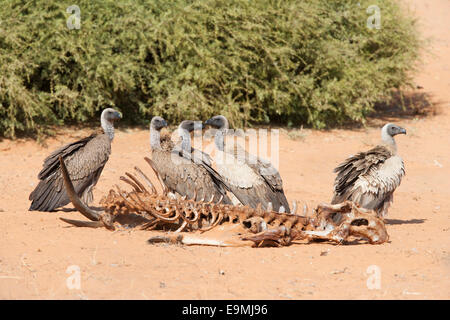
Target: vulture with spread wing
x,y
370,178
252,180
84,159
181,168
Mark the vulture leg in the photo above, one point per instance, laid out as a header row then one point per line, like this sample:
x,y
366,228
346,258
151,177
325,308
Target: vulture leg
x,y
93,215
87,196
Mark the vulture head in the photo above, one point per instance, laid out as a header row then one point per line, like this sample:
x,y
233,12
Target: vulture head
x,y
184,130
109,115
392,130
387,135
218,122
190,125
158,123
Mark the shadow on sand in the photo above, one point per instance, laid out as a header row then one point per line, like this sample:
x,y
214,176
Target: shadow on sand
x,y
398,221
75,210
405,105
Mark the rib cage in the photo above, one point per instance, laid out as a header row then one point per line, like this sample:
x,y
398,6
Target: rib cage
x,y
148,209
160,210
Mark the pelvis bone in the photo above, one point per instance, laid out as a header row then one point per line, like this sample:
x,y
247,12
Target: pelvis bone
x,y
212,223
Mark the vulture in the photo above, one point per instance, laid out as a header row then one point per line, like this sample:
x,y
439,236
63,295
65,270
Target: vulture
x,y
370,178
252,180
84,159
181,168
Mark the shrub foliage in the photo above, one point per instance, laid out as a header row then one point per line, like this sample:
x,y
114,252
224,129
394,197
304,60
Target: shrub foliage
x,y
296,62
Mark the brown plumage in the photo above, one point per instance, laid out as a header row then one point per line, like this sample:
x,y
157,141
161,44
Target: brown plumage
x,y
251,179
182,169
85,160
370,178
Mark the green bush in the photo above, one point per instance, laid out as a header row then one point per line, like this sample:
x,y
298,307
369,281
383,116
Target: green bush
x,y
295,62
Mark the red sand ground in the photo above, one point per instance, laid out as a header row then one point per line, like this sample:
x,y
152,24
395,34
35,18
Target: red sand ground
x,y
37,248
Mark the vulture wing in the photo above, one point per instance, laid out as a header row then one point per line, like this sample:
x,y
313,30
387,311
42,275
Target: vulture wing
x,y
369,178
253,181
266,180
182,172
84,159
272,179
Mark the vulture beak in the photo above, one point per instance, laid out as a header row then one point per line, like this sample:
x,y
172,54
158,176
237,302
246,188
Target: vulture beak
x,y
402,130
208,122
117,116
164,123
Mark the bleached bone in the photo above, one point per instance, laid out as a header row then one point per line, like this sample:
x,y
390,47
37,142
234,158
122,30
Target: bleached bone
x,y
245,225
294,207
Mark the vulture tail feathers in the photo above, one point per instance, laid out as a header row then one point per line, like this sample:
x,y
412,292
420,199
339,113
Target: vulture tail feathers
x,y
43,197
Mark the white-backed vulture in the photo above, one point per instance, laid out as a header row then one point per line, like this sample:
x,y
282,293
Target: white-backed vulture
x,y
370,178
84,159
251,179
181,168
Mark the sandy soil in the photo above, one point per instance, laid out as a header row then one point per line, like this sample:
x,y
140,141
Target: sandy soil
x,y
36,249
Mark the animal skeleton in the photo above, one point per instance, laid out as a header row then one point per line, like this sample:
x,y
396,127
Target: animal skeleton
x,y
147,209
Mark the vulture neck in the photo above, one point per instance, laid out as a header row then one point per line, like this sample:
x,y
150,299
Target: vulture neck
x,y
155,139
219,139
389,142
108,127
185,139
